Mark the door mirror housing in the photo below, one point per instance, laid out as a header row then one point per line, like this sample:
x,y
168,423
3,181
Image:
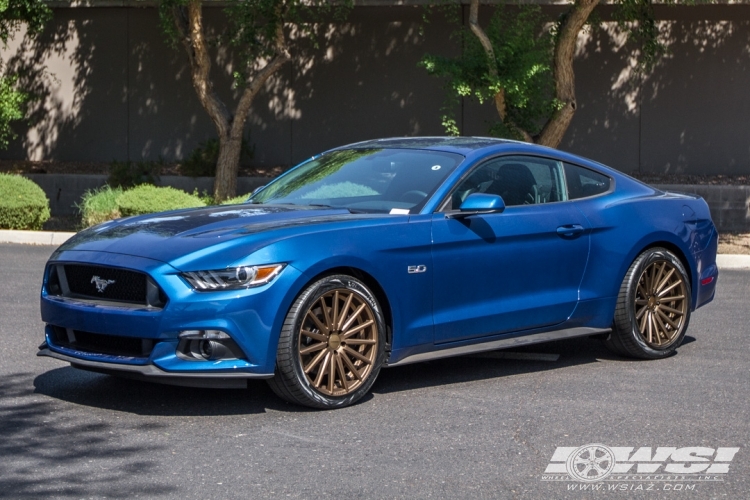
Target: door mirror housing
x,y
478,204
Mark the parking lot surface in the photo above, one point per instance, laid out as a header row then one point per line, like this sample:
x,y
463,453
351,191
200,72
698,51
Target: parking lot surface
x,y
470,427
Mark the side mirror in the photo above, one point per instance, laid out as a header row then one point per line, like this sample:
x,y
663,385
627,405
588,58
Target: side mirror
x,y
478,203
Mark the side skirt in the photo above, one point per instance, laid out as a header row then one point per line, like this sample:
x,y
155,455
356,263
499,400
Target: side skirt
x,y
535,338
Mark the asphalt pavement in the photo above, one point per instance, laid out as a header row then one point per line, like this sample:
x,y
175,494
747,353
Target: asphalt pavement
x,y
470,427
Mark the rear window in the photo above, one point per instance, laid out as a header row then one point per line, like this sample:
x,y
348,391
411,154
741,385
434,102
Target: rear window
x,y
583,182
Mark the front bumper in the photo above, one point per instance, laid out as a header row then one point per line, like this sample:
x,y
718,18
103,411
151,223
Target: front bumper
x,y
252,318
154,374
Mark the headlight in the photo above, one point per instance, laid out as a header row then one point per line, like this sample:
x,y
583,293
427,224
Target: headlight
x,y
233,278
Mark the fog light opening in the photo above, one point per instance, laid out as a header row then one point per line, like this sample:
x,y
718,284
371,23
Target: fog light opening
x,y
207,345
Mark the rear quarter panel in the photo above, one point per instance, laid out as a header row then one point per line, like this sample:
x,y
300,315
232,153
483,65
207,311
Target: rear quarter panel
x,y
633,218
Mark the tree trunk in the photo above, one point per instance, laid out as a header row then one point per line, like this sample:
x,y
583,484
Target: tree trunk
x,y
229,128
565,85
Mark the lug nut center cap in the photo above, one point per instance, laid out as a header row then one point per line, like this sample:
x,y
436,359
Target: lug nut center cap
x,y
334,341
652,302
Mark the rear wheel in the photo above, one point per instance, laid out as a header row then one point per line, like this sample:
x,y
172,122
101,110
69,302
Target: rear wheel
x,y
653,307
331,346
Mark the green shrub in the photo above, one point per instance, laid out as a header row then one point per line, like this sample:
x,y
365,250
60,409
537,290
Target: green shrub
x,y
127,174
23,204
202,160
236,200
99,205
146,199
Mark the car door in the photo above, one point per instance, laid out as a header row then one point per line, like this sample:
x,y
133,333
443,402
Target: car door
x,y
510,271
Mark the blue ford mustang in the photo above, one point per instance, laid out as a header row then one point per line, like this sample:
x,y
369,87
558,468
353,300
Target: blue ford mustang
x,y
377,254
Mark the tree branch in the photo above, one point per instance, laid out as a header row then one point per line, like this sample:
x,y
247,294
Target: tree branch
x,y
555,128
483,38
200,66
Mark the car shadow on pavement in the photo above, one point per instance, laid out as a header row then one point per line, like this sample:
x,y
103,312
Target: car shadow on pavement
x,y
461,369
148,398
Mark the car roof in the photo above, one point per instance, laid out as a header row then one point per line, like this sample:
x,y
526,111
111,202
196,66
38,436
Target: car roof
x,y
461,145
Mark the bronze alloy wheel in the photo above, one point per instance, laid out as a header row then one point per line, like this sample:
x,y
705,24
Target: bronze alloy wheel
x,y
660,304
338,342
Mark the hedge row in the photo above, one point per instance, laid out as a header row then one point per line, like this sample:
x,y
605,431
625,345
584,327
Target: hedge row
x,y
109,203
23,204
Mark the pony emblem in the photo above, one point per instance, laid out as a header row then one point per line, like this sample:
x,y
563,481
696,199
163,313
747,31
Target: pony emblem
x,y
100,283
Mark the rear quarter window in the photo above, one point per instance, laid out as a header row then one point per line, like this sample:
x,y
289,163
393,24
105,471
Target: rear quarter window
x,y
583,183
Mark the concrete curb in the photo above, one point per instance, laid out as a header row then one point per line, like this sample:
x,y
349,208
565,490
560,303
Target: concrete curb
x,y
34,237
724,261
729,261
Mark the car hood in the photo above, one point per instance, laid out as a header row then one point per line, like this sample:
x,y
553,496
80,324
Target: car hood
x,y
173,237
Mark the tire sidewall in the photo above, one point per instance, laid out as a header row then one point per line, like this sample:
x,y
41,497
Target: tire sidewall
x,y
646,259
303,303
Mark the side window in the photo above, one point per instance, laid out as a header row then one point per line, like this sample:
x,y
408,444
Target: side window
x,y
520,180
583,182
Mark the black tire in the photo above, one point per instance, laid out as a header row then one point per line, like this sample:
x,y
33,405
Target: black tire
x,y
290,381
653,307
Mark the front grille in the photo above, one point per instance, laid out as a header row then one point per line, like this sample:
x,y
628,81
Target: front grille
x,y
106,283
102,344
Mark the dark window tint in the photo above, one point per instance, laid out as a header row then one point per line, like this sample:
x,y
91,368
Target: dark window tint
x,y
520,180
583,182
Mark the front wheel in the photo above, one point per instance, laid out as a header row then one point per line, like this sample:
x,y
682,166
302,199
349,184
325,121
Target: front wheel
x,y
653,307
331,346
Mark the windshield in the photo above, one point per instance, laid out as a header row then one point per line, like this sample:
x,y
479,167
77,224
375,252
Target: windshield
x,y
366,180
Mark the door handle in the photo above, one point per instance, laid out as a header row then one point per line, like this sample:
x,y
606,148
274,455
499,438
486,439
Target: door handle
x,y
570,230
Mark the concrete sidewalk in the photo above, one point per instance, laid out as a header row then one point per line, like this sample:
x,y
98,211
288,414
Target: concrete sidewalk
x,y
724,261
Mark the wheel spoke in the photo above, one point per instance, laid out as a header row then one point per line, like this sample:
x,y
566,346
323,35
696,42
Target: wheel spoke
x,y
670,287
642,290
640,313
669,309
361,341
663,282
323,328
657,276
668,319
642,326
344,382
313,348
351,367
650,328
323,369
317,359
344,311
641,302
315,336
357,355
332,373
662,327
358,328
354,316
335,319
326,313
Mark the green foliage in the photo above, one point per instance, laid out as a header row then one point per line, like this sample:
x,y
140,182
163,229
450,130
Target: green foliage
x,y
146,199
636,18
127,174
252,25
236,200
523,55
99,205
202,160
23,204
11,108
16,13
